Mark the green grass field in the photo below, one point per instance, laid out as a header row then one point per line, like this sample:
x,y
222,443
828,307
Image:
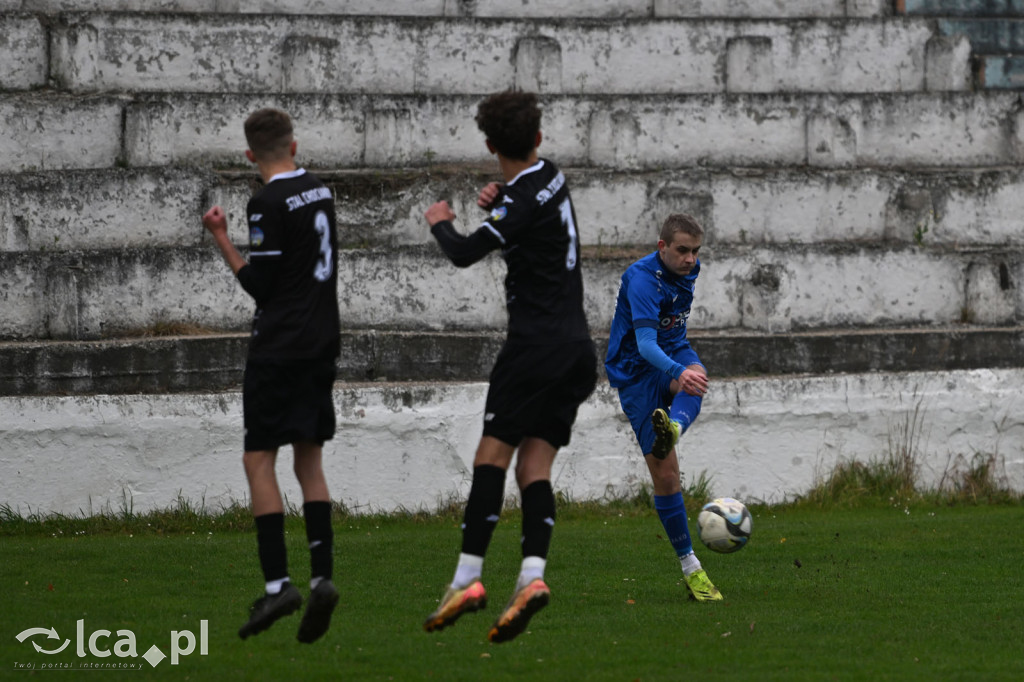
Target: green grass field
x,y
931,592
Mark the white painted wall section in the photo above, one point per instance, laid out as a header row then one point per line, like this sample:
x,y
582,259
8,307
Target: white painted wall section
x,y
411,447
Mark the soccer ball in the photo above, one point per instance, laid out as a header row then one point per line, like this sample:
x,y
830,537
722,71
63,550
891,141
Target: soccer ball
x,y
724,525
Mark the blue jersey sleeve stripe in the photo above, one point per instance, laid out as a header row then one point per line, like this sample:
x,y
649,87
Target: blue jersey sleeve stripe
x,y
637,324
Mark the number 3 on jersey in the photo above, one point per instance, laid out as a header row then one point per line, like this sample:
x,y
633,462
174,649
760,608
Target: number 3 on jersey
x,y
324,264
570,226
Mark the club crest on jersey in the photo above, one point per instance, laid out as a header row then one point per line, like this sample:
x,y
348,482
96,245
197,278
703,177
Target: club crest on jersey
x,y
256,236
499,213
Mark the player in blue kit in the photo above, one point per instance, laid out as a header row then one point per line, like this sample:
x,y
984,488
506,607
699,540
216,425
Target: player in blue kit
x,y
546,368
660,378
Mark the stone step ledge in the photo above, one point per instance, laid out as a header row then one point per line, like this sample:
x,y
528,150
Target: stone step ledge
x,y
950,130
215,362
89,295
237,53
159,207
590,9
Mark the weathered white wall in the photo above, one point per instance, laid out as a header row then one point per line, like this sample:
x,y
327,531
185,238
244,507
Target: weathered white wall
x,y
59,211
769,289
480,8
787,138
929,130
411,446
293,53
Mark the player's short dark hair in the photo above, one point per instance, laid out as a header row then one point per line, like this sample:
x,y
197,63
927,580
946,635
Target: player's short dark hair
x,y
268,132
680,222
511,121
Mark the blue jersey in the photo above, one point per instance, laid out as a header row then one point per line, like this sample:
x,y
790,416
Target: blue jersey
x,y
650,295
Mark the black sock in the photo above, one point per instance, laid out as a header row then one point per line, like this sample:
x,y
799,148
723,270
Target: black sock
x,y
321,539
270,544
483,507
538,518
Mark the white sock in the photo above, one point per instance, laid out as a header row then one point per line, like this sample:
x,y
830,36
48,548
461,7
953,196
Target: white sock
x,y
690,564
470,568
532,569
274,586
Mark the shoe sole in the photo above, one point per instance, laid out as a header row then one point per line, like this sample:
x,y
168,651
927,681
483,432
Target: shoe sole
x,y
441,622
250,628
515,626
317,618
662,433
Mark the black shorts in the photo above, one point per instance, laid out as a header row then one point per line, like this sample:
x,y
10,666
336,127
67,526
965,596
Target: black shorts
x,y
288,402
536,390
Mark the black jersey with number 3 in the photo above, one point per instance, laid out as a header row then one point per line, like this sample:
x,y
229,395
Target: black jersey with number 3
x,y
533,223
293,250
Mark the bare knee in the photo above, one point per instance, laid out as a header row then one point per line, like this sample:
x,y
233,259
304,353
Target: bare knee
x,y
664,474
666,485
259,463
534,461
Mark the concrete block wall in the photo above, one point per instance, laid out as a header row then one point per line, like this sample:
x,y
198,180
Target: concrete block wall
x,y
938,131
479,8
952,130
789,137
855,187
402,447
786,250
444,56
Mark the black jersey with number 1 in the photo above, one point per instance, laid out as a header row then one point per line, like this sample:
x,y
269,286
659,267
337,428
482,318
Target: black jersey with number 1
x,y
293,269
533,223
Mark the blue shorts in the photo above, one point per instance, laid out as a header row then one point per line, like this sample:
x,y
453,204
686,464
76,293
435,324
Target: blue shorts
x,y
648,392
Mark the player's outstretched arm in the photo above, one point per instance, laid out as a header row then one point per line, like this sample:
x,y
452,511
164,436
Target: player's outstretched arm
x,y
462,250
216,223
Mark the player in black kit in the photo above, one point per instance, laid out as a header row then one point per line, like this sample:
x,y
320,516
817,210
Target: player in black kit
x,y
546,368
290,369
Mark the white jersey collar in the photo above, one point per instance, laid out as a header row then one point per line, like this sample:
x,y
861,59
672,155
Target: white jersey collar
x,y
287,175
535,167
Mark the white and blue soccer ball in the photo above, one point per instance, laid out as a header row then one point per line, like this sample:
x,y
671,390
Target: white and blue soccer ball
x,y
724,525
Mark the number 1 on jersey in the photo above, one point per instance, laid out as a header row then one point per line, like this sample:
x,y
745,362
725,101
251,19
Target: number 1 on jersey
x,y
570,225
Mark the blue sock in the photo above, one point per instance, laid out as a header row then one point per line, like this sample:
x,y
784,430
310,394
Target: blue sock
x,y
672,513
684,409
